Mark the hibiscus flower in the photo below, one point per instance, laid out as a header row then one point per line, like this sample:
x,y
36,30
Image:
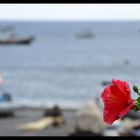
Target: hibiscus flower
x,y
117,101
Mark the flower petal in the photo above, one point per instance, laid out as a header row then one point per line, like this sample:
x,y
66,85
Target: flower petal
x,y
117,101
110,116
123,87
126,110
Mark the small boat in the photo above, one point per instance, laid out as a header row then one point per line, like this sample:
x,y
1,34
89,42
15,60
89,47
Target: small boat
x,y
23,41
12,38
85,35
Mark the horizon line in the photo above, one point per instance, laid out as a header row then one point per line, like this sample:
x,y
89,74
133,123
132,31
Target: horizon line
x,y
71,20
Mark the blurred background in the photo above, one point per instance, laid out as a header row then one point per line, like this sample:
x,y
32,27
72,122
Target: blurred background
x,y
67,62
66,54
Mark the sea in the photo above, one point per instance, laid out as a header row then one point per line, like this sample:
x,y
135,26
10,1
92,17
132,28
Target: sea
x,y
60,68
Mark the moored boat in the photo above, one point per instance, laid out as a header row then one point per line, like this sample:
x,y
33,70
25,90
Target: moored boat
x,y
9,37
23,41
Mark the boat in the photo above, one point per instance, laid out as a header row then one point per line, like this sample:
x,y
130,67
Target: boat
x,y
6,108
23,41
85,34
12,37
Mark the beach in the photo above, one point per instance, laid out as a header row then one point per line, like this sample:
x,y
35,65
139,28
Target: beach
x,y
8,125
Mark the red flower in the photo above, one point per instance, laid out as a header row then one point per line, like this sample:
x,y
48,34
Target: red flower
x,y
117,101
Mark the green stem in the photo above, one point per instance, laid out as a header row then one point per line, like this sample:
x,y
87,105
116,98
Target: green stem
x,y
138,93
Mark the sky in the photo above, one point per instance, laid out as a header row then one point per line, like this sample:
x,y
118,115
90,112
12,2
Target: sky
x,y
67,12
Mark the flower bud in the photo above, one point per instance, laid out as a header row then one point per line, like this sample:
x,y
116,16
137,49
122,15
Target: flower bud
x,y
135,88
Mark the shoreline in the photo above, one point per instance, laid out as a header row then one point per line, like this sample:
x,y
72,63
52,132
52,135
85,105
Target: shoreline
x,y
9,125
29,105
43,108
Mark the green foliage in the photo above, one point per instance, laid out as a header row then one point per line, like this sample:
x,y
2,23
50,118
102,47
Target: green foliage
x,y
135,88
137,104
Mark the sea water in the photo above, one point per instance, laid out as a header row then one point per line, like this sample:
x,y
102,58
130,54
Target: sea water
x,y
59,68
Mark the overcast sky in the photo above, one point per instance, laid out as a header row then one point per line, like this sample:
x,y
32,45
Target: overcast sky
x,y
70,12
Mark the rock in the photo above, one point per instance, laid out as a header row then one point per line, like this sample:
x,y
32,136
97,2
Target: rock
x,y
56,113
89,118
129,124
133,115
53,112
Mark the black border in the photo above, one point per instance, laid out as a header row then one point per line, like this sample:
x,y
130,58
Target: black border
x,y
61,2
68,2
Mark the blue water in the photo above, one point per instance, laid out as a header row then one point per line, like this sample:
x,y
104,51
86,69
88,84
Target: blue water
x,y
60,68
